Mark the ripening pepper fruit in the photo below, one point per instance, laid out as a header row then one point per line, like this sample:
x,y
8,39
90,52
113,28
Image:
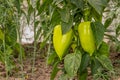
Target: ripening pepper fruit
x,y
61,41
86,37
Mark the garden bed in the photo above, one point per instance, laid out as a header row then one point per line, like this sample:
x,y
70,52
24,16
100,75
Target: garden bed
x,y
42,71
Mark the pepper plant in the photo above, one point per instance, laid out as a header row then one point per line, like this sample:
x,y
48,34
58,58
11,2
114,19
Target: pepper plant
x,y
78,33
9,47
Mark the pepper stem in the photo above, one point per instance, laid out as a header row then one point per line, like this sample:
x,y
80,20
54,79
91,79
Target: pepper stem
x,y
86,12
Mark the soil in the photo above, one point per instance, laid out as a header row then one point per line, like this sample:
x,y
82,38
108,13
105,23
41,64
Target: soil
x,y
42,71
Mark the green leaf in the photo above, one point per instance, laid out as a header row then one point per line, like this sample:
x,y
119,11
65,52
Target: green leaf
x,y
95,65
11,34
30,11
51,58
77,17
96,16
17,4
8,51
65,14
1,35
38,31
67,26
108,22
78,3
46,38
72,63
8,58
98,5
83,75
104,49
85,62
56,2
55,18
1,56
118,30
118,46
105,62
98,31
63,77
17,49
37,4
44,6
54,70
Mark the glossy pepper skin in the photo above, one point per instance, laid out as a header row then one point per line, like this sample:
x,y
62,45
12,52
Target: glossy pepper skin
x,y
61,42
86,37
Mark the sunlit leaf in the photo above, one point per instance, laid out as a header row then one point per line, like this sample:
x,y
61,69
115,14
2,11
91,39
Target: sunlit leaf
x,y
63,77
72,63
105,62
